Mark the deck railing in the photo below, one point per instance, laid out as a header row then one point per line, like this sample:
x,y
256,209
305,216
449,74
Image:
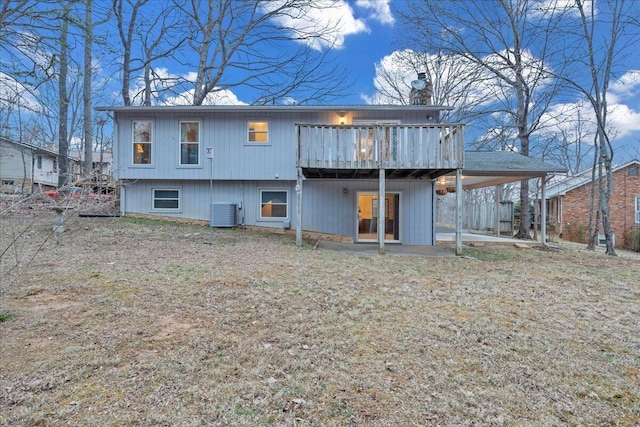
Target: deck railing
x,y
389,146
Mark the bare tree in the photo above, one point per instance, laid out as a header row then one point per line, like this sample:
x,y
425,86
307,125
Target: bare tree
x,y
567,147
454,81
512,42
607,34
22,23
272,47
149,32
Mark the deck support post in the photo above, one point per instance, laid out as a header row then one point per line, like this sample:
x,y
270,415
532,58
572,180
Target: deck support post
x,y
543,211
381,210
299,208
458,211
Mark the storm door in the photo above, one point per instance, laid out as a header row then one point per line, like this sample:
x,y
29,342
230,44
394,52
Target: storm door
x,y
368,217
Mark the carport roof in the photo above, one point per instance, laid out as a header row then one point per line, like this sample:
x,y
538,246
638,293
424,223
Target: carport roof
x,y
486,168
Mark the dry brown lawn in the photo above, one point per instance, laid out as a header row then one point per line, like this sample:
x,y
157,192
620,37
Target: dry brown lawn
x,y
143,323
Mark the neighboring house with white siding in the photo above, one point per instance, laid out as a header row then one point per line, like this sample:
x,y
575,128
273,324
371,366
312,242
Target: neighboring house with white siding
x,y
313,168
26,168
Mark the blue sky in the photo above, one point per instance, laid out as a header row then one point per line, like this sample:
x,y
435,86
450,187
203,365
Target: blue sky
x,y
369,35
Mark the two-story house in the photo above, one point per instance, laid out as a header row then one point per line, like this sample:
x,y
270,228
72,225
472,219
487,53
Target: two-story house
x,y
177,161
315,168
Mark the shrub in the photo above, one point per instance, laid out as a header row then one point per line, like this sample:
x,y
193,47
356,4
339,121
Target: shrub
x,y
632,240
575,232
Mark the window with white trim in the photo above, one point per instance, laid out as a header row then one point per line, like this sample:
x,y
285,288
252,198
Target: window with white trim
x,y
166,199
39,162
274,204
258,132
189,143
142,140
637,209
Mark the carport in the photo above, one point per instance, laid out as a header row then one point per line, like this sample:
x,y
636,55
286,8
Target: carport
x,y
484,169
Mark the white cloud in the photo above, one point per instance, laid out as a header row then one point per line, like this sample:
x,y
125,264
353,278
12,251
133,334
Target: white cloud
x,y
456,82
543,7
166,78
623,119
218,97
380,10
325,25
14,95
627,85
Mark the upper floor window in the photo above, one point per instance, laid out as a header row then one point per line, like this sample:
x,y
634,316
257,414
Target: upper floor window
x,y
189,143
637,209
39,162
55,166
142,140
258,132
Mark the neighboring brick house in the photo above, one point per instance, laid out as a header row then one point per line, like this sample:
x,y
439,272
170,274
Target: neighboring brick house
x,y
568,204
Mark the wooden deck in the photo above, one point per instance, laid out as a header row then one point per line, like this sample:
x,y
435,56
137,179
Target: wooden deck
x,y
359,151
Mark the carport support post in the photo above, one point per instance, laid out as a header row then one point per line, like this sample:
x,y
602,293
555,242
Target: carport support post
x,y
543,211
381,204
458,211
299,208
497,220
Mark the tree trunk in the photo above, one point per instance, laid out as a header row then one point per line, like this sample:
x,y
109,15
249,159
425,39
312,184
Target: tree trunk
x,y
88,126
522,118
591,245
63,103
605,195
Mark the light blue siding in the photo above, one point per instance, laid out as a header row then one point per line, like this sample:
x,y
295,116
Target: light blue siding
x,y
239,170
226,132
326,208
196,198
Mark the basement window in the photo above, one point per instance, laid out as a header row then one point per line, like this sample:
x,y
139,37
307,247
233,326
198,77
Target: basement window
x,y
273,204
166,199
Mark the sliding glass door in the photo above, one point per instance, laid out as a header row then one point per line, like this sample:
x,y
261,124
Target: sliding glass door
x,y
368,217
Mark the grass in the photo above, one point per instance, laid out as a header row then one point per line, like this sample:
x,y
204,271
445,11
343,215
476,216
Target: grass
x,y
124,322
